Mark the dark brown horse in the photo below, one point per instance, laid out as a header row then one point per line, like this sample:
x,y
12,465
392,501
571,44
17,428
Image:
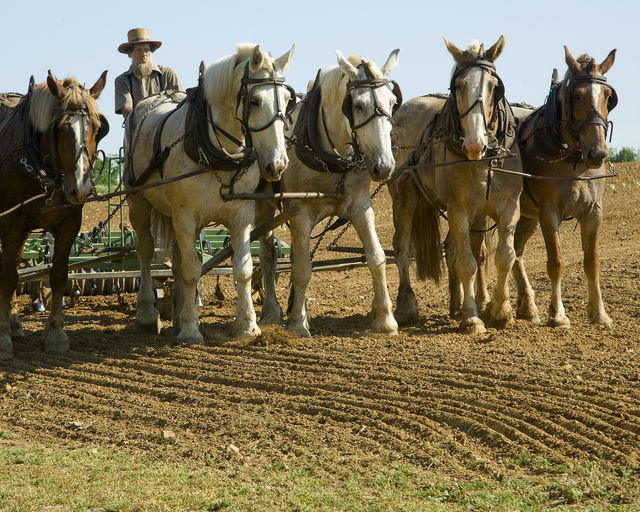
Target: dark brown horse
x,y
48,142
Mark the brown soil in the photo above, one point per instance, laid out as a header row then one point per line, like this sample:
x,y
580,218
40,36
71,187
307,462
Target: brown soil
x,y
431,394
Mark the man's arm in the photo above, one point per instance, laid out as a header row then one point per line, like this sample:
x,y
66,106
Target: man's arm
x,y
123,99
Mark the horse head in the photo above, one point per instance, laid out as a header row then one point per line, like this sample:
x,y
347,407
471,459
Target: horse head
x,y
67,116
368,106
585,105
247,95
476,89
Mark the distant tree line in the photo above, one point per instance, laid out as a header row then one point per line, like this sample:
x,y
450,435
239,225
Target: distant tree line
x,y
626,154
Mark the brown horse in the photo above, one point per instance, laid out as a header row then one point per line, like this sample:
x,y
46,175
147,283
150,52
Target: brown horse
x,y
565,140
450,143
48,142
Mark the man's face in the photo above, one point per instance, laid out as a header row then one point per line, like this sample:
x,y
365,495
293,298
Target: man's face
x,y
141,53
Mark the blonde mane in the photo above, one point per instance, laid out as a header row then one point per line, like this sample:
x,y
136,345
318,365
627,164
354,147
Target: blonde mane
x,y
220,77
42,103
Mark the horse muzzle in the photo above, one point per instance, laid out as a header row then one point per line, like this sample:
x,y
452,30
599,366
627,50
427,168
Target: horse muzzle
x,y
272,171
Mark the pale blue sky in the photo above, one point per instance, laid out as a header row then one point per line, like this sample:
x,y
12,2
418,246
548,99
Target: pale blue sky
x,y
81,38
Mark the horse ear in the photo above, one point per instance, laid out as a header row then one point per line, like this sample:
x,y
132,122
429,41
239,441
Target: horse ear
x,y
283,62
99,85
55,87
574,67
391,63
255,61
608,62
453,49
346,66
494,52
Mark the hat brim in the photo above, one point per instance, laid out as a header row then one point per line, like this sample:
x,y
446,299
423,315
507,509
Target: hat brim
x,y
126,47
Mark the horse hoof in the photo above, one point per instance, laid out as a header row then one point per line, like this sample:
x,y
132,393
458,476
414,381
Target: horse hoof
x,y
272,318
190,338
56,343
406,317
247,334
602,319
298,331
386,325
559,321
153,327
473,325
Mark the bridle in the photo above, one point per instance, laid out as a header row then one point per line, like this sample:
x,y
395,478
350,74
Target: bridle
x,y
488,68
71,111
245,93
373,83
593,117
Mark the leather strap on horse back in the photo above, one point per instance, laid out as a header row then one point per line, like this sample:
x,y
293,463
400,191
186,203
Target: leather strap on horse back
x,y
308,144
198,145
159,155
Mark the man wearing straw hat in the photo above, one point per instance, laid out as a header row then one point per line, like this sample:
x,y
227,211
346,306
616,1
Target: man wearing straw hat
x,y
144,77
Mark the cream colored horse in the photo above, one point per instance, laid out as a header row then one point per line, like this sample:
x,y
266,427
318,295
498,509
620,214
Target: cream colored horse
x,y
348,109
471,126
241,96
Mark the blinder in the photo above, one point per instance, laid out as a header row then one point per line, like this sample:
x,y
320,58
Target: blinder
x,y
103,130
498,91
594,116
244,97
373,84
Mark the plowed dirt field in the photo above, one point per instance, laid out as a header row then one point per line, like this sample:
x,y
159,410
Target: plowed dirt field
x,y
430,395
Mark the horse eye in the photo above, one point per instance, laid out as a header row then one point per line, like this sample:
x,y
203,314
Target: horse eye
x,y
255,102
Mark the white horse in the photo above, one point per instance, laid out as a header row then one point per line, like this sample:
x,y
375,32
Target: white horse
x,y
342,142
463,133
238,109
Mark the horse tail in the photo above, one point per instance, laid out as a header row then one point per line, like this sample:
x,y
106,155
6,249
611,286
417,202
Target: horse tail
x,y
425,233
163,233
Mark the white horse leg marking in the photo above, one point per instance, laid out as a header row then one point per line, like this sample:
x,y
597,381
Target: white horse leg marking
x,y
301,227
239,231
190,271
383,320
466,267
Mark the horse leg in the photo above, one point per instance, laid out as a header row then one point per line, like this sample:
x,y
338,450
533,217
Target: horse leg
x,y
271,310
11,246
189,272
55,339
404,197
240,231
555,268
477,238
147,316
466,268
526,305
590,230
383,320
298,320
499,309
455,286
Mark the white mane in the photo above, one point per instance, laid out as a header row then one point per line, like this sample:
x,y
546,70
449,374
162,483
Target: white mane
x,y
221,76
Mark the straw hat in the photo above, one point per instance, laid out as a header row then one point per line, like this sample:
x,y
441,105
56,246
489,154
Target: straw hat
x,y
138,35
